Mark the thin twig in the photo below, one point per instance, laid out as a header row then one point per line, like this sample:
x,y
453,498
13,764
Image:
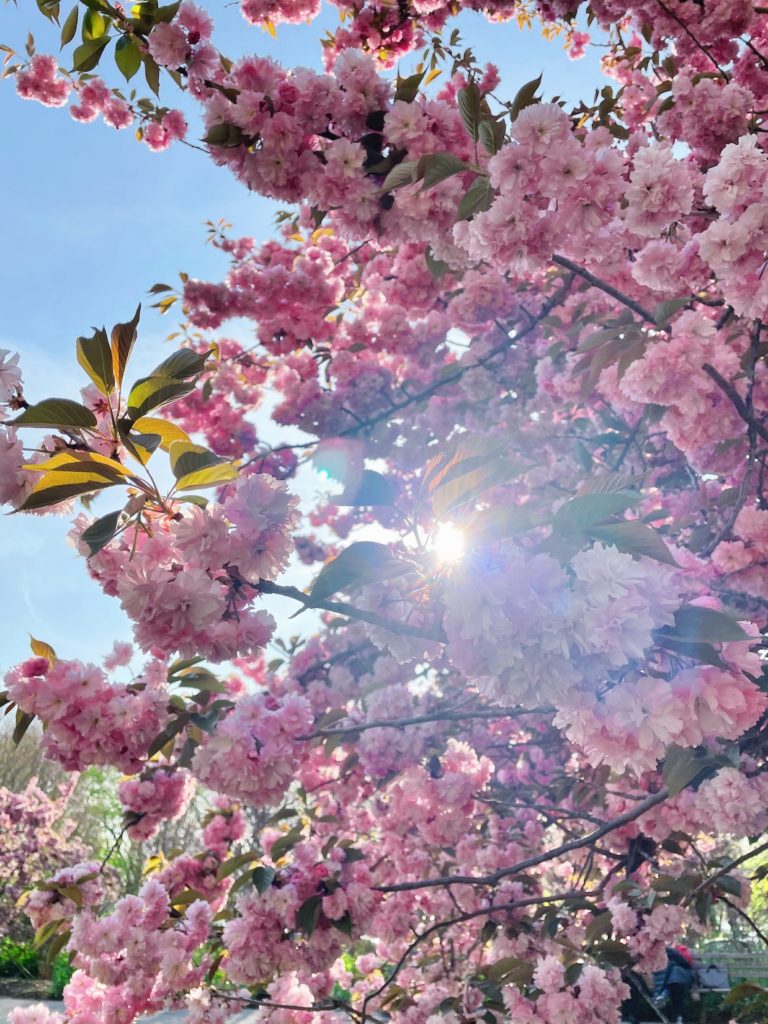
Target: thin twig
x,y
435,634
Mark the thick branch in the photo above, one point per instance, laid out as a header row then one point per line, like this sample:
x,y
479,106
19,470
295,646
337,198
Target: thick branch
x,y
444,716
540,858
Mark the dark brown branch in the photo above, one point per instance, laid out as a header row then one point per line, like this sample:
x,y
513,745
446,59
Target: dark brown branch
x,y
540,858
738,402
460,919
745,917
625,300
444,381
707,882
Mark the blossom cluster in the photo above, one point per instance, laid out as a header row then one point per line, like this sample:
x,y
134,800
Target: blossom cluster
x,y
188,581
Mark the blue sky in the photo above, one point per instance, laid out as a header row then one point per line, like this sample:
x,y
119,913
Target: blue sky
x,y
91,219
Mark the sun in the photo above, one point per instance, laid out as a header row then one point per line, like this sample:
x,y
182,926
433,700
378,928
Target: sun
x,y
447,543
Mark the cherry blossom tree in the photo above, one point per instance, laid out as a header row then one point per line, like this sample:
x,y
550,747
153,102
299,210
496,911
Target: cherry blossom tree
x,y
510,764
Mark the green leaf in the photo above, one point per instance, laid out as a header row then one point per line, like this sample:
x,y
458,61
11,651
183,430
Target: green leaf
x,y
598,926
608,483
407,89
452,462
510,970
683,765
587,510
23,722
101,532
127,57
436,167
705,625
186,897
166,13
45,932
371,489
476,199
635,538
232,864
263,878
526,95
401,174
469,467
152,74
362,562
470,102
143,446
705,653
88,54
59,486
199,679
50,9
352,854
187,457
492,134
182,663
308,915
286,842
95,357
59,942
437,268
69,27
344,924
123,338
56,412
95,25
497,522
664,311
167,432
182,364
84,462
746,990
210,476
152,392
473,481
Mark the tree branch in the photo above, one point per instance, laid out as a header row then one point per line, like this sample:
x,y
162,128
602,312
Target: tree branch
x,y
540,858
445,716
349,611
485,912
625,300
738,402
705,884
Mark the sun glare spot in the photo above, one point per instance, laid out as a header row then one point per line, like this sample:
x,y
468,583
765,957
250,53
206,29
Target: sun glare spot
x,y
448,543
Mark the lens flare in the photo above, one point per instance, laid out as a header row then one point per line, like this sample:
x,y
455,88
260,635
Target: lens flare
x,y
448,543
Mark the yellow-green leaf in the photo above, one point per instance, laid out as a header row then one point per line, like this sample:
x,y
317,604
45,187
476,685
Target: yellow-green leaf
x,y
152,392
210,476
82,462
167,432
95,357
59,486
42,649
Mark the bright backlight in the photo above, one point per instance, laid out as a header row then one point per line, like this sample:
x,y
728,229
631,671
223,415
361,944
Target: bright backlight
x,y
448,543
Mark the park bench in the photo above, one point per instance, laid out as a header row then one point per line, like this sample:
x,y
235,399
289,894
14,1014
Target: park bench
x,y
722,969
